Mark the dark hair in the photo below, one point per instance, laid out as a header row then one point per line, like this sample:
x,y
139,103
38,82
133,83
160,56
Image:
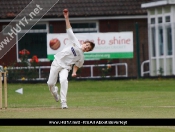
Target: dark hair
x,y
91,43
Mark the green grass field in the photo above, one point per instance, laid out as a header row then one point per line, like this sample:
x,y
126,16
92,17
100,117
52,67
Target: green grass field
x,y
149,98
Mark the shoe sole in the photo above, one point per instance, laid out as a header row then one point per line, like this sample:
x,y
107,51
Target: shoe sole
x,y
64,108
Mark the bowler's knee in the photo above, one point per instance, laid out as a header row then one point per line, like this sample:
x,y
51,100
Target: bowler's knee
x,y
50,84
63,80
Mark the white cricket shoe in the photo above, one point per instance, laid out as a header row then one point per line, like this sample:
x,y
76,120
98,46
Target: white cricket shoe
x,y
64,105
54,92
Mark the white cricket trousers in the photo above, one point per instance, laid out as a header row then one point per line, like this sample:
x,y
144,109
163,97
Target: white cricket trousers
x,y
63,75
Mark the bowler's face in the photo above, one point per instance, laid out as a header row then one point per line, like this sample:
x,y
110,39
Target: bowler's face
x,y
86,47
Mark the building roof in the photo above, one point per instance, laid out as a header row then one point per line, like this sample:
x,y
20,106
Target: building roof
x,y
156,3
78,8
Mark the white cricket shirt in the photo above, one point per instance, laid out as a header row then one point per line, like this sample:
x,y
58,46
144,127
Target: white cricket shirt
x,y
72,54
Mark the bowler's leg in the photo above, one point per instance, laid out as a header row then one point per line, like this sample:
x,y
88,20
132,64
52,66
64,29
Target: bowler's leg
x,y
53,80
63,74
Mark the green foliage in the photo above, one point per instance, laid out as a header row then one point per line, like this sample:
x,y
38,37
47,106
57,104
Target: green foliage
x,y
106,69
22,73
25,70
161,71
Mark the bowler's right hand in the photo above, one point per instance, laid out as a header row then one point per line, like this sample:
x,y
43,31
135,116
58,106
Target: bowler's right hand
x,y
74,75
66,14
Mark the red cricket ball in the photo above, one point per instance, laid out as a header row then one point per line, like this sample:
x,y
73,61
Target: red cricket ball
x,y
54,44
65,10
